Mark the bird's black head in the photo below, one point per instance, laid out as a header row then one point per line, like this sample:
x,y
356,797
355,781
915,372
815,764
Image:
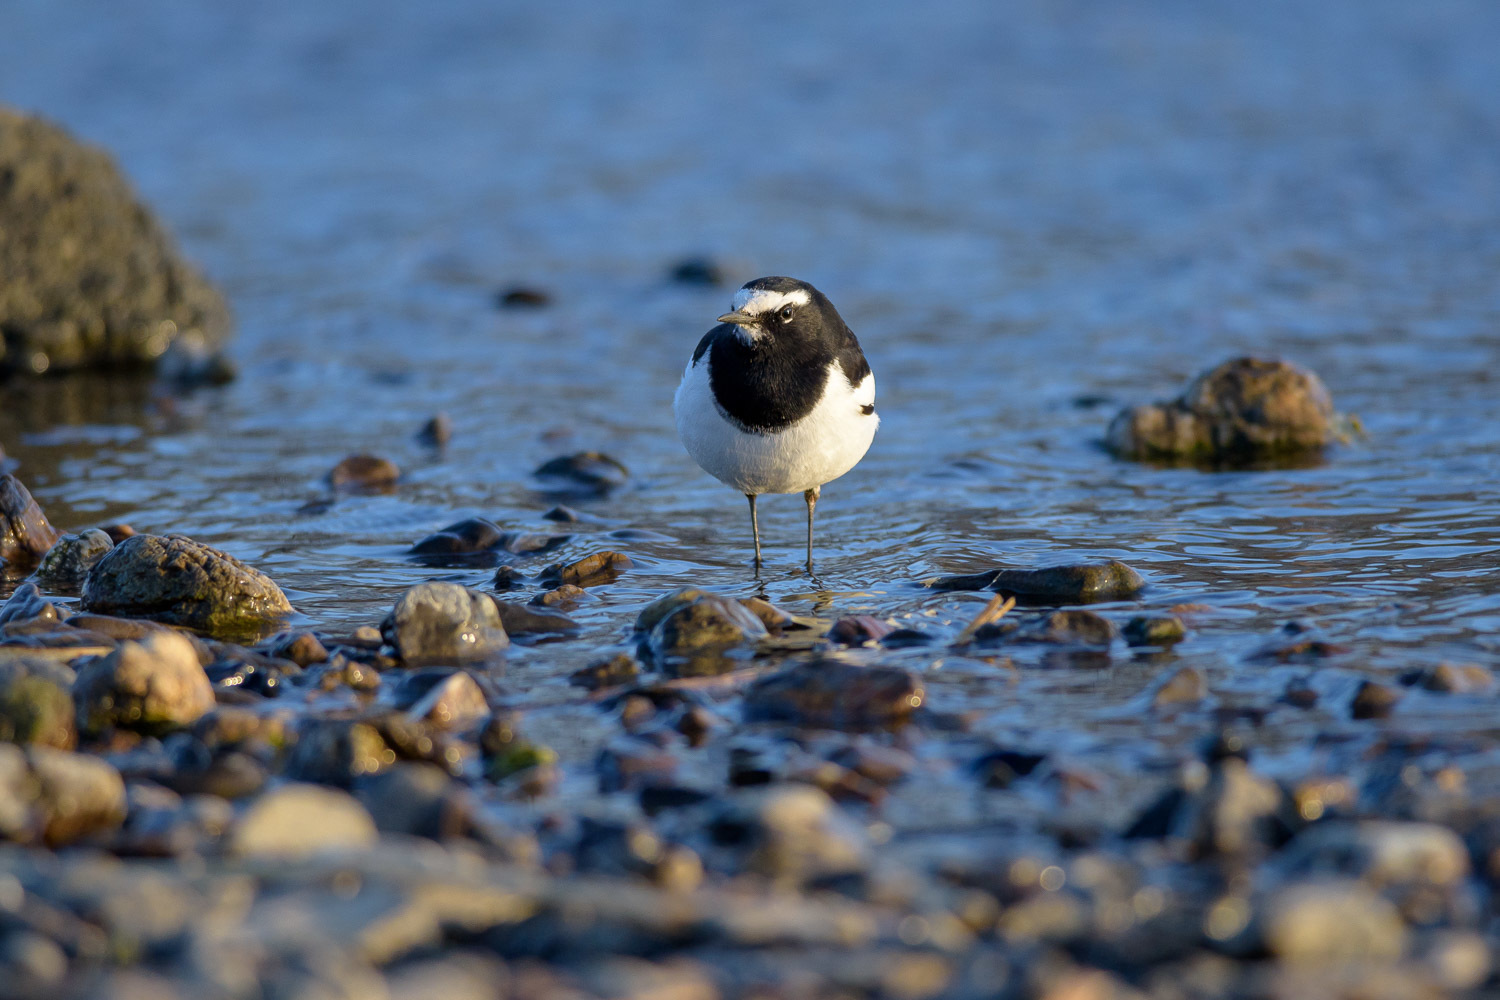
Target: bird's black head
x,y
785,311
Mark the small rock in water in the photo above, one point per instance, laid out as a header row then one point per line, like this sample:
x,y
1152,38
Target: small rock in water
x,y
28,604
591,570
858,630
588,473
176,580
707,623
1374,700
562,514
1383,853
697,271
792,832
25,532
68,562
117,532
1230,810
1184,685
772,617
664,605
508,578
337,752
444,623
365,474
1244,409
469,537
522,297
1086,583
437,432
834,694
566,596
1154,630
302,648
77,795
525,619
1450,678
152,686
296,820
610,672
1002,768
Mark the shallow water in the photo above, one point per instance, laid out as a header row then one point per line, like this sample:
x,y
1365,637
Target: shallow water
x,y
1031,214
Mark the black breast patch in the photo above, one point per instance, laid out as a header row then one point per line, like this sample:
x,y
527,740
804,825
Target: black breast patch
x,y
766,388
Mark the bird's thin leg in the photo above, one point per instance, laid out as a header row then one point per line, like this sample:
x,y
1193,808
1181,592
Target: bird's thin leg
x,y
754,528
811,496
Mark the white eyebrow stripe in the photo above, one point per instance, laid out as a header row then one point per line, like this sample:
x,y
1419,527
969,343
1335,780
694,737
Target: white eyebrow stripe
x,y
761,300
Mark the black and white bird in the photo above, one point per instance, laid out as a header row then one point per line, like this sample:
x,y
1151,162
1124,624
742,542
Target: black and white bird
x,y
778,397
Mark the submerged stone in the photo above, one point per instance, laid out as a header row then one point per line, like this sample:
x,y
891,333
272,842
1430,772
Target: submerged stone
x,y
1154,630
365,473
591,570
176,580
68,562
1246,408
587,473
1084,583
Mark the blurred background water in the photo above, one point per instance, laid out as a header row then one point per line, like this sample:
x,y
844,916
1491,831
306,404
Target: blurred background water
x,y
1032,214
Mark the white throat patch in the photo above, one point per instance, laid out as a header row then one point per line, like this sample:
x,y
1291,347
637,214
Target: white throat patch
x,y
757,301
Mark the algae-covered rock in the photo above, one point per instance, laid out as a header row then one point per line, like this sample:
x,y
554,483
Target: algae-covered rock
x,y
90,276
36,710
835,694
25,532
154,685
1246,408
176,580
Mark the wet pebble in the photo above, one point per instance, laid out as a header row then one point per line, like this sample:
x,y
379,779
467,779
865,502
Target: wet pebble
x,y
702,271
455,703
1154,630
621,668
1244,409
1332,921
152,686
835,694
587,473
179,581
591,570
25,532
1373,700
1449,678
470,536
76,795
36,710
522,297
364,473
302,648
693,637
337,752
1084,583
628,763
1184,685
1002,767
508,578
67,563
1383,853
1069,628
27,604
445,622
792,832
566,596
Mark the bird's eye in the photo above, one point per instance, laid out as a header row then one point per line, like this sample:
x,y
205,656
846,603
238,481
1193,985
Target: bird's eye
x,y
785,314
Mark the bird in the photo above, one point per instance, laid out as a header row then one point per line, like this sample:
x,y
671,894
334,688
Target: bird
x,y
778,397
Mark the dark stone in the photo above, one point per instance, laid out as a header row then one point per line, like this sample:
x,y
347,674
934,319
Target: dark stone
x,y
36,710
437,432
302,648
364,474
592,570
1235,812
469,542
508,578
1001,768
1154,630
587,473
91,278
337,752
697,271
445,623
1245,409
1086,583
524,619
562,514
1374,700
858,630
414,799
176,580
25,532
664,605
834,694
902,638
67,563
522,297
265,676
117,532
628,763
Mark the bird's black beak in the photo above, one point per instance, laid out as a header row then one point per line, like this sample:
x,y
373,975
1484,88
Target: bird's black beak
x,y
740,319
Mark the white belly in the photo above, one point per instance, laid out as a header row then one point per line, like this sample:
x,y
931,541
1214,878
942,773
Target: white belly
x,y
817,449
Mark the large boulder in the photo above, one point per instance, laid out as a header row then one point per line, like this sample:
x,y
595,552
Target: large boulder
x,y
1245,409
91,278
25,532
176,580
